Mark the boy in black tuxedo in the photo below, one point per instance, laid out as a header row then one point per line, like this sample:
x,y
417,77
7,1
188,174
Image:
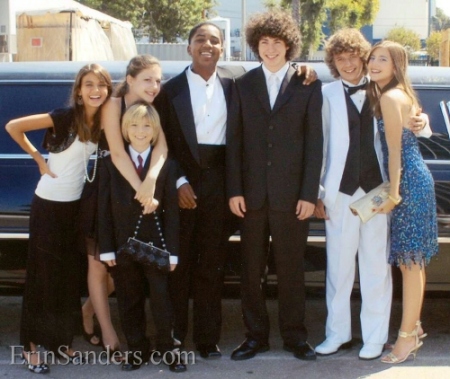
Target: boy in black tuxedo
x,y
120,213
273,167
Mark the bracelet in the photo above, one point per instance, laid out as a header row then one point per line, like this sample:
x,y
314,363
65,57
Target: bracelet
x,y
394,200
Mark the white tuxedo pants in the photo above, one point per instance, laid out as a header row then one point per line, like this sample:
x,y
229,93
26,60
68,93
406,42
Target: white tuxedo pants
x,y
348,237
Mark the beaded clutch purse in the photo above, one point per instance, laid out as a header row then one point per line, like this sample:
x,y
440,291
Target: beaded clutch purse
x,y
363,207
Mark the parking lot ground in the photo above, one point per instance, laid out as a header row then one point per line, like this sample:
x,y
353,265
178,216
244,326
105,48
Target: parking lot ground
x,y
432,362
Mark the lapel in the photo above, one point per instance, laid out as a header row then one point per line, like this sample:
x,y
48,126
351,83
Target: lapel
x,y
286,90
260,88
183,108
339,112
225,80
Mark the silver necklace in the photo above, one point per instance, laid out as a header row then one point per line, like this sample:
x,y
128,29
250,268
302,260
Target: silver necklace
x,y
94,171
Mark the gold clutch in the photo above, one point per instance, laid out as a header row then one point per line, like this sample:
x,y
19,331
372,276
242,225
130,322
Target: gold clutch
x,y
363,207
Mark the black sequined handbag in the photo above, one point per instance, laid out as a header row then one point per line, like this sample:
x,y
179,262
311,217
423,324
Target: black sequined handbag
x,y
145,253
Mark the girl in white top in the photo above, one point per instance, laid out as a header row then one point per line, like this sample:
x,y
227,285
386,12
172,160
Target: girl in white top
x,y
51,300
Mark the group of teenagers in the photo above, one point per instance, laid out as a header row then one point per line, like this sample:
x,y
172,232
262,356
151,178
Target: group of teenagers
x,y
270,148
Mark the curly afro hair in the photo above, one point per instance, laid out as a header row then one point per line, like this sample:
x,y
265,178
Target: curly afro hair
x,y
274,24
346,40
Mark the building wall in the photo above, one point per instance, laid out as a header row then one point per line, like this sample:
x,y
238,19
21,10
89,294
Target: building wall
x,y
411,14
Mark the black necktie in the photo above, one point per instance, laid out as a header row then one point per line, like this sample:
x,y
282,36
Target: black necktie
x,y
139,167
354,89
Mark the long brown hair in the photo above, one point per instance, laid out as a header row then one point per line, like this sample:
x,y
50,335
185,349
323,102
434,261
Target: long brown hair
x,y
400,61
83,131
136,65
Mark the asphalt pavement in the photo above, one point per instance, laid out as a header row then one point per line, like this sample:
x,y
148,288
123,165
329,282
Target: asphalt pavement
x,y
432,362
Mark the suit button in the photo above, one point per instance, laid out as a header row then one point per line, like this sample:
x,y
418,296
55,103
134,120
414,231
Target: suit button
x,y
270,127
270,145
269,163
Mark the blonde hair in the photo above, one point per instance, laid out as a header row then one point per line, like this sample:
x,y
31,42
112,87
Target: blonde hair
x,y
399,58
136,113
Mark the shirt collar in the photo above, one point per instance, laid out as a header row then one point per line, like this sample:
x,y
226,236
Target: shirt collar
x,y
134,154
363,80
196,78
281,73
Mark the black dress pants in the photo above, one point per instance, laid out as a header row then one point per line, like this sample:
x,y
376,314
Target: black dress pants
x,y
204,233
289,237
129,280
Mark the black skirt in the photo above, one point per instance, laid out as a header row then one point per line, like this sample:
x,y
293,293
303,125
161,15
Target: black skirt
x,y
51,305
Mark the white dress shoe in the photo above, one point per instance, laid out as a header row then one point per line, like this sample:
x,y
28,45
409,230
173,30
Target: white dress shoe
x,y
328,347
371,351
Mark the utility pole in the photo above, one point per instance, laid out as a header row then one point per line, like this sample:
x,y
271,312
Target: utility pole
x,y
296,11
243,42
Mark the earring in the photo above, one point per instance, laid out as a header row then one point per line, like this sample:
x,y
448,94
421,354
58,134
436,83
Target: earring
x,y
79,100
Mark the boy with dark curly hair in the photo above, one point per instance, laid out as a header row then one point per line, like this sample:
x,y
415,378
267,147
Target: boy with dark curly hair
x,y
273,171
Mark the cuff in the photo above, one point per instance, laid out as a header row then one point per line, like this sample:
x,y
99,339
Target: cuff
x,y
173,260
107,256
181,180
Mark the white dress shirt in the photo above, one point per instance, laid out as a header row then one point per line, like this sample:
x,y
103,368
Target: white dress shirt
x,y
210,110
280,74
358,97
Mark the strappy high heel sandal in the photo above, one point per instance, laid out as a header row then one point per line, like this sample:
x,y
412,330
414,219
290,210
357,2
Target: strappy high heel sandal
x,y
88,337
423,335
113,355
391,358
40,368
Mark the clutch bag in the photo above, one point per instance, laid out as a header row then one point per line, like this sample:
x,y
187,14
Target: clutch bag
x,y
363,207
146,253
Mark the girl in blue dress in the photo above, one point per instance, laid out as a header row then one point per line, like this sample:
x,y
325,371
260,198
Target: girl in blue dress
x,y
411,201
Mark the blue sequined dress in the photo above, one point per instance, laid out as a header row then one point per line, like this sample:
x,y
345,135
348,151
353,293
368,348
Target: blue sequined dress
x,y
414,235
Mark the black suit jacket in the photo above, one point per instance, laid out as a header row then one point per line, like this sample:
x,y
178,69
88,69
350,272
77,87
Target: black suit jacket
x,y
274,155
174,107
119,211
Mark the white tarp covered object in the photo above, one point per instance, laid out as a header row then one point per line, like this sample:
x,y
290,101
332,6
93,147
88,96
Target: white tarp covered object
x,y
62,30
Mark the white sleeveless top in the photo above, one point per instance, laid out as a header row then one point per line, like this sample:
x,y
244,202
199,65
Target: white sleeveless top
x,y
69,167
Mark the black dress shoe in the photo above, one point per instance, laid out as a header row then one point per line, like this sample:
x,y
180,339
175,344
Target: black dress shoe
x,y
301,350
248,349
209,351
129,366
178,367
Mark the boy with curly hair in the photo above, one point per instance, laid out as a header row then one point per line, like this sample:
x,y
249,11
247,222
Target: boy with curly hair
x,y
273,171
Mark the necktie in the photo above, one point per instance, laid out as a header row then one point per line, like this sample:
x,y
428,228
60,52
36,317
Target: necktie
x,y
139,166
354,89
273,89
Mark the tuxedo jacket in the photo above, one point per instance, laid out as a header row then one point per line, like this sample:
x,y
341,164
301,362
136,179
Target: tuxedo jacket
x,y
119,211
274,155
177,118
337,142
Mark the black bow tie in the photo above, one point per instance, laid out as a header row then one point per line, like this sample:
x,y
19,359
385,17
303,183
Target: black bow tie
x,y
354,89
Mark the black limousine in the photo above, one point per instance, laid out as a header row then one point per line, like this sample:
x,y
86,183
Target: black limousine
x,y
38,87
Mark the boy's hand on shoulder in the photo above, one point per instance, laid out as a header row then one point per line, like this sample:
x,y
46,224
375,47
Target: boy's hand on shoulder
x,y
173,266
111,263
310,74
